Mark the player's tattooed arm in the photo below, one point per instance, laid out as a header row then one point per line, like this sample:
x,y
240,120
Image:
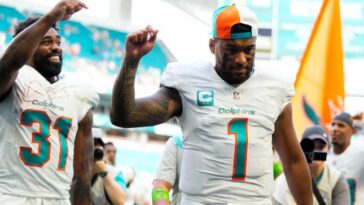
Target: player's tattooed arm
x,y
26,42
293,160
126,111
82,164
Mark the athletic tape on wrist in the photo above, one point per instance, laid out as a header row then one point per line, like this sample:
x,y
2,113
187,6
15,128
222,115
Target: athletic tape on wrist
x,y
160,193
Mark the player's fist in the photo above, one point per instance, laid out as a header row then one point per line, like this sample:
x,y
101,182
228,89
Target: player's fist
x,y
140,43
66,8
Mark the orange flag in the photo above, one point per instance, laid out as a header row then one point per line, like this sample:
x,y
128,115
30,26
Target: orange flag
x,y
320,79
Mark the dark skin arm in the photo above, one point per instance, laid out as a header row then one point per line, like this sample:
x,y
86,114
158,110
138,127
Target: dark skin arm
x,y
82,164
294,163
125,110
22,48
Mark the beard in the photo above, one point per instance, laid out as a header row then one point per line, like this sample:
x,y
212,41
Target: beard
x,y
226,68
47,68
238,79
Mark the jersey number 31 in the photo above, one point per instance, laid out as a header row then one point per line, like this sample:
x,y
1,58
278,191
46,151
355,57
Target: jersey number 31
x,y
41,137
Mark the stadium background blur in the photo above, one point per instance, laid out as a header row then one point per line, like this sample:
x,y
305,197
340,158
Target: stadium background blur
x,y
93,43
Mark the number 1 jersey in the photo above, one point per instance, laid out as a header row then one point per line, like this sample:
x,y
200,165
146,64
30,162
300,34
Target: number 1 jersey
x,y
39,122
227,131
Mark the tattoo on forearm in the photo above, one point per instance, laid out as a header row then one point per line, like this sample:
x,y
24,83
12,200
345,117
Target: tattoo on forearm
x,y
151,110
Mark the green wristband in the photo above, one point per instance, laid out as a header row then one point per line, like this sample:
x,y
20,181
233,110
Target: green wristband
x,y
160,193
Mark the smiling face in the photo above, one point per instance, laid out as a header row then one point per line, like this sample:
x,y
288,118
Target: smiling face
x,y
341,134
47,59
234,58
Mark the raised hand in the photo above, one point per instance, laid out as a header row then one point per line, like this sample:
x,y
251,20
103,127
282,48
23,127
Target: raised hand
x,y
66,8
359,117
140,43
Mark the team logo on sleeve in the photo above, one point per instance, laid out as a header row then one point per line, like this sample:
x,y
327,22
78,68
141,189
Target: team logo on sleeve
x,y
205,98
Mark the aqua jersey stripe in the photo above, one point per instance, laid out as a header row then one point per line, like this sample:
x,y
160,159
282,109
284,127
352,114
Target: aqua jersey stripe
x,y
352,189
178,141
120,180
318,179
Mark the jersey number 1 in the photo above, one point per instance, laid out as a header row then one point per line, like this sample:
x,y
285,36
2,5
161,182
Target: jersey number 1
x,y
239,128
42,155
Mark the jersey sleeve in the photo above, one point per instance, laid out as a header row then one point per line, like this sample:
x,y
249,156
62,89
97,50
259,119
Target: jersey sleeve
x,y
340,193
120,180
88,99
167,169
169,76
287,94
21,88
118,176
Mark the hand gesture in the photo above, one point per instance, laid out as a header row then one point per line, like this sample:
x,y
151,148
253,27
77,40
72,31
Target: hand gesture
x,y
359,117
66,8
140,43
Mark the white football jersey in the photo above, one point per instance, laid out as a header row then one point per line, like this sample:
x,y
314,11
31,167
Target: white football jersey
x,y
170,166
350,164
227,131
39,122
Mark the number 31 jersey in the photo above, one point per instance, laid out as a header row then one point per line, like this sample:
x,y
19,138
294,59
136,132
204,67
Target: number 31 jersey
x,y
227,130
39,122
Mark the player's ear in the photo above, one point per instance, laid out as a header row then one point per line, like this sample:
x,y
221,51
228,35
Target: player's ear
x,y
212,45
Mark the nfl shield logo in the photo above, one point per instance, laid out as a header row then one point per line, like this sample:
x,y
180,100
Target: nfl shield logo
x,y
236,95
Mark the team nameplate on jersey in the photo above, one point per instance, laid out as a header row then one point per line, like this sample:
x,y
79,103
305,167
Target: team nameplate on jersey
x,y
205,98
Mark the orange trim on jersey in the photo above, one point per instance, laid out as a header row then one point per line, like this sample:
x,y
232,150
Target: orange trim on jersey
x,y
236,148
225,20
60,142
35,133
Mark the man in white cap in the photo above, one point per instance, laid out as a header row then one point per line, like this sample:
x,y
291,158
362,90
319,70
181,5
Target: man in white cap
x,y
230,116
347,157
